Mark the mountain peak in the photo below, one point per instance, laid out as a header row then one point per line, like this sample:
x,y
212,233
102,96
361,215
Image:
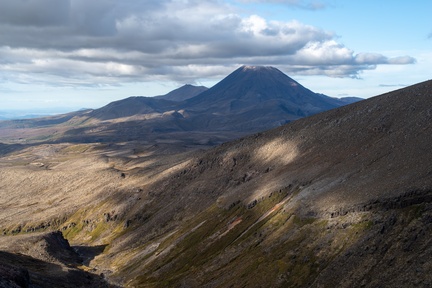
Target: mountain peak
x,y
259,69
262,93
270,71
256,68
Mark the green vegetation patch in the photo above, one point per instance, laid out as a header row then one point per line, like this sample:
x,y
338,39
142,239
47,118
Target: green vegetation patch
x,y
78,148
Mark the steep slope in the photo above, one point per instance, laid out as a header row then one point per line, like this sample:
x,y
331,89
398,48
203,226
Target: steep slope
x,y
339,199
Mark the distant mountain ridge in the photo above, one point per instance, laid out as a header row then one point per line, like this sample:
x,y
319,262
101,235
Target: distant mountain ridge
x,y
250,99
249,88
132,106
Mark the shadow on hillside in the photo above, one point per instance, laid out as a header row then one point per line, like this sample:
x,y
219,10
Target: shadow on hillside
x,y
37,273
88,253
10,148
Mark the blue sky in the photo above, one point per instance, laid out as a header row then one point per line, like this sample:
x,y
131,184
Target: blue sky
x,y
81,53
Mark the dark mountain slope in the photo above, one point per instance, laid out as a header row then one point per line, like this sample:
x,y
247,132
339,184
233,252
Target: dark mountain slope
x,y
256,98
253,85
339,199
249,99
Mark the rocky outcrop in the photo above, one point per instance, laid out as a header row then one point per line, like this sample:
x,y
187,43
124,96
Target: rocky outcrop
x,y
46,261
58,247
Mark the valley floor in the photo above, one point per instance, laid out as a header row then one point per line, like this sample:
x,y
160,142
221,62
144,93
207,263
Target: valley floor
x,y
125,228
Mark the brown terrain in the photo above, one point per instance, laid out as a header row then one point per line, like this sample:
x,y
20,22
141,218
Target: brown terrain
x,y
342,198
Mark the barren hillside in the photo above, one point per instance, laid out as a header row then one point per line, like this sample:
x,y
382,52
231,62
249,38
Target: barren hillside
x,y
339,199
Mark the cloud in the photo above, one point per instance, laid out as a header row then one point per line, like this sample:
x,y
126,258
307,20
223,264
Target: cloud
x,y
34,12
401,60
302,4
98,42
374,59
